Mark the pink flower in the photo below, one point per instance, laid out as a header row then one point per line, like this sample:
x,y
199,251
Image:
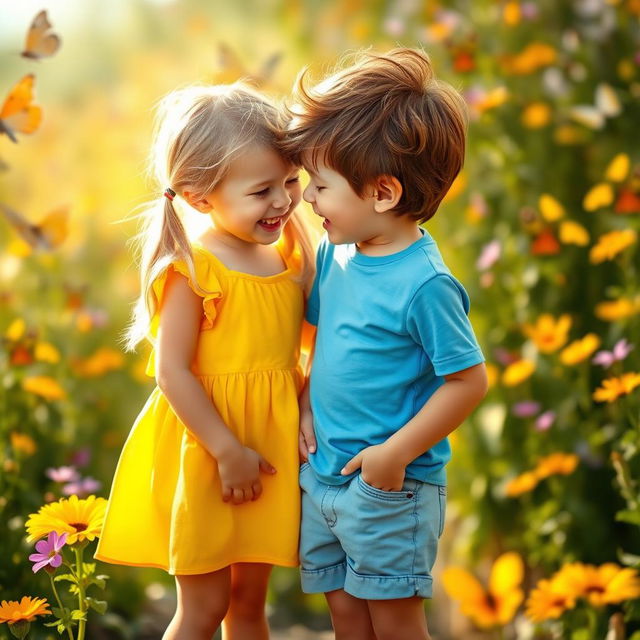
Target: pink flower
x,y
545,420
620,351
82,488
82,457
489,255
525,409
63,474
48,551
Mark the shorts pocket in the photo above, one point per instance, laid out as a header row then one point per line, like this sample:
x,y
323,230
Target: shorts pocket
x,y
408,491
442,498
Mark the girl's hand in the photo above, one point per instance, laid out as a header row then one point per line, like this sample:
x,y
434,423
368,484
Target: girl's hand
x,y
306,435
240,474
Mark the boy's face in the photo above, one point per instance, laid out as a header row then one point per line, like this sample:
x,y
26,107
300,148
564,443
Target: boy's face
x,y
348,218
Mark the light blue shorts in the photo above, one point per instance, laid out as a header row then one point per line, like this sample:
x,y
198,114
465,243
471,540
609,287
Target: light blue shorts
x,y
374,544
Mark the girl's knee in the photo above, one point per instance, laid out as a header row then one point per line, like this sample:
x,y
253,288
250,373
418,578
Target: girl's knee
x,y
248,601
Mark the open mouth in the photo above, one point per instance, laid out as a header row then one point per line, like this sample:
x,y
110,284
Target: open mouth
x,y
272,224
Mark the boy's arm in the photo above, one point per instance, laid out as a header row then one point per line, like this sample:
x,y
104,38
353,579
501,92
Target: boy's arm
x,y
383,466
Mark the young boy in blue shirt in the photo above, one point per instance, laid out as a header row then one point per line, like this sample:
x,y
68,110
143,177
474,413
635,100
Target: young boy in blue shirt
x,y
396,366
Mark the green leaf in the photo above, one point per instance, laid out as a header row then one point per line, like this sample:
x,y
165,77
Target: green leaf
x,y
98,581
581,634
97,605
68,577
633,517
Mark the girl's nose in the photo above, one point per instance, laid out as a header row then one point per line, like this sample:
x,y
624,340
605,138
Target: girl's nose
x,y
283,201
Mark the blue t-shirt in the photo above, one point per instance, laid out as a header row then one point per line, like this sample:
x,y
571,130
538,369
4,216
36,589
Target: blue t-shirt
x,y
389,329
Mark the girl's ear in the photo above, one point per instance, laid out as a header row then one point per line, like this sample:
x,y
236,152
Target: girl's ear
x,y
387,193
200,204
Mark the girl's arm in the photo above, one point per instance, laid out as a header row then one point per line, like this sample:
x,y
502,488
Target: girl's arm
x,y
180,318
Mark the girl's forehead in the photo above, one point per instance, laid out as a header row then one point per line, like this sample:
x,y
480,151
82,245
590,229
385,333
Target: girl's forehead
x,y
258,162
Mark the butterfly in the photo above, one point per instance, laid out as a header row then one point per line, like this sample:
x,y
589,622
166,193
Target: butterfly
x,y
232,69
607,105
41,43
17,113
45,236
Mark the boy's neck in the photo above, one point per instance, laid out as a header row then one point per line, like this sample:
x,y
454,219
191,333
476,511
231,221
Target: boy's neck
x,y
399,234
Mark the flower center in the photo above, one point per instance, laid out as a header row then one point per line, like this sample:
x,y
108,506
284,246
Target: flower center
x,y
78,526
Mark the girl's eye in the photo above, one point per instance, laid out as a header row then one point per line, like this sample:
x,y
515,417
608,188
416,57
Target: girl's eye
x,y
292,180
261,193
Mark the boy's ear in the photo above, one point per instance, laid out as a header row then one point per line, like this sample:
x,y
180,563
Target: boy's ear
x,y
387,192
200,204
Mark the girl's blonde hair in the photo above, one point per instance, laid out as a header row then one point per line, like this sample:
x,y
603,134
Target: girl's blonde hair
x,y
199,131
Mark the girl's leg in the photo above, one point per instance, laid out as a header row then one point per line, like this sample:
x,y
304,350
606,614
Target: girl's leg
x,y
404,618
246,617
350,616
203,601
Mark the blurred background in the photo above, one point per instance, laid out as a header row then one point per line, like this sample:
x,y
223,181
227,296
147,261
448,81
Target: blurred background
x,y
541,227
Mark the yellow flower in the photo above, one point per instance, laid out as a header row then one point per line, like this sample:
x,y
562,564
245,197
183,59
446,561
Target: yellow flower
x,y
613,310
27,609
536,115
46,352
44,386
600,195
613,388
573,233
101,362
611,244
457,187
511,13
556,463
549,600
490,607
523,483
24,443
550,208
16,330
80,519
517,372
580,350
548,333
607,584
568,134
535,56
618,168
493,98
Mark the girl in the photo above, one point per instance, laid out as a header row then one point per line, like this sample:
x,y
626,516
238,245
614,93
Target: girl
x,y
207,483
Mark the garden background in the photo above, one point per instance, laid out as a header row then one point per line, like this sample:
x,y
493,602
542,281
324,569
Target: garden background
x,y
541,227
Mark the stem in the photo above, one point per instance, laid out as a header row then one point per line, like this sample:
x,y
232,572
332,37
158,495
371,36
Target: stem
x,y
81,596
55,593
592,617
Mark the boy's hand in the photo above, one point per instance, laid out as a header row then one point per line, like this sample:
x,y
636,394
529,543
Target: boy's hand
x,y
240,471
378,468
306,435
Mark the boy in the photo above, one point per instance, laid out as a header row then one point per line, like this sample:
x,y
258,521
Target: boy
x,y
396,366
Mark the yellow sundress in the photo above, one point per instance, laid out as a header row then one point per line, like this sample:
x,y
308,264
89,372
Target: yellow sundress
x,y
165,509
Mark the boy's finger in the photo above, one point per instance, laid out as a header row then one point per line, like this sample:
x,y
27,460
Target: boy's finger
x,y
351,466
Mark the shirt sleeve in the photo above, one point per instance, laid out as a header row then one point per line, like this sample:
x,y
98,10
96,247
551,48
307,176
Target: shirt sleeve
x,y
313,303
437,320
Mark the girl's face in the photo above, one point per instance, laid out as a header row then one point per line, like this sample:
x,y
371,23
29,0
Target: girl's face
x,y
256,198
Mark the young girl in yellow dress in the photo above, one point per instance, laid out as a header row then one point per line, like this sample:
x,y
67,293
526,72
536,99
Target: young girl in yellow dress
x,y
207,483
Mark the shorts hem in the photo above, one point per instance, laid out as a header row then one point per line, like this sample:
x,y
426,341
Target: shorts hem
x,y
387,587
323,580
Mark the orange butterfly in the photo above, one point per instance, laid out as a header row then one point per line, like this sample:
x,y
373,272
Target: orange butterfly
x,y
17,113
50,233
41,43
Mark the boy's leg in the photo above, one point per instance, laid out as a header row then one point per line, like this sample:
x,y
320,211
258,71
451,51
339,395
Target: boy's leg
x,y
203,601
246,615
349,616
403,618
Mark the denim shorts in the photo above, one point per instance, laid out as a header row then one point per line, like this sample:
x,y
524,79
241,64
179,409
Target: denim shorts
x,y
374,544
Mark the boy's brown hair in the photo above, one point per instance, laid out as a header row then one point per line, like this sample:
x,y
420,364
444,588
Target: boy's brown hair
x,y
386,114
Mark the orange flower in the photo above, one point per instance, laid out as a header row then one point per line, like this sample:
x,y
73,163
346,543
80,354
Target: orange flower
x,y
556,463
611,244
548,333
101,362
27,609
536,115
573,233
580,350
535,56
24,443
549,600
523,483
517,372
44,386
490,607
613,310
613,388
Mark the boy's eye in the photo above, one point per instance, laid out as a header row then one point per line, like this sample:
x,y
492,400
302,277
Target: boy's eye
x,y
319,188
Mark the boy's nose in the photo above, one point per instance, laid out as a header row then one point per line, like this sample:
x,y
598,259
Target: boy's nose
x,y
307,194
